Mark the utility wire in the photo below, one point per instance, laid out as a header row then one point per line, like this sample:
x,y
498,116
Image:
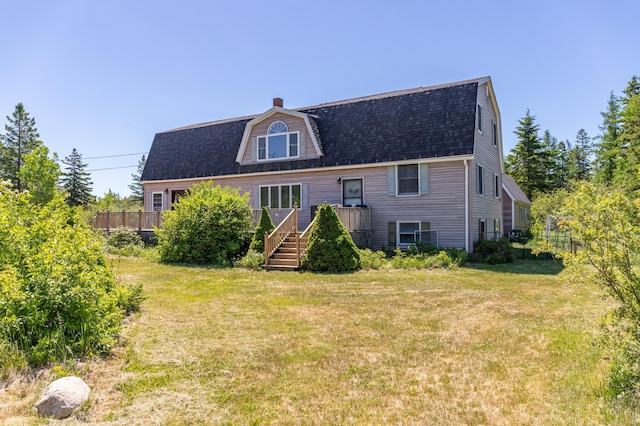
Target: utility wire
x,y
111,168
112,156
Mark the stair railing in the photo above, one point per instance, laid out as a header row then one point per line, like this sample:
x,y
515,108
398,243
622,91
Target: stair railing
x,y
287,227
302,242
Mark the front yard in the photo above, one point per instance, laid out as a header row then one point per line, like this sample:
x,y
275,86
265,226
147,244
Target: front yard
x,y
491,345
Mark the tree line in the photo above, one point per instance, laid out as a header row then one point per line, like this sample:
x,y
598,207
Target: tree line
x,y
542,164
27,164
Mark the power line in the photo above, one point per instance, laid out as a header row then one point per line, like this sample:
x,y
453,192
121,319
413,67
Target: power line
x,y
111,168
112,156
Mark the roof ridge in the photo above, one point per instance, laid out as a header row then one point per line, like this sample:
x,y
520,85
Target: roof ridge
x,y
342,102
395,93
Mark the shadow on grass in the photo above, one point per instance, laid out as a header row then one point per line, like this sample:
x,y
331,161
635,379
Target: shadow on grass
x,y
520,266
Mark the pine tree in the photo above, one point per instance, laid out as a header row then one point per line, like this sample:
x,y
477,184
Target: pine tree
x,y
580,154
76,180
607,149
526,163
627,173
265,224
137,188
21,138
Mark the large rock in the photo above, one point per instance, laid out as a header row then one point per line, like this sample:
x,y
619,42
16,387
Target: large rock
x,y
62,397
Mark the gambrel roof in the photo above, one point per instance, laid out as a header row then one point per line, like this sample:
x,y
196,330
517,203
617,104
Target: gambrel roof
x,y
427,122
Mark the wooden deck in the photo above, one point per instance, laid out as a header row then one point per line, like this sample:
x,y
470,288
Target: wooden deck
x,y
353,218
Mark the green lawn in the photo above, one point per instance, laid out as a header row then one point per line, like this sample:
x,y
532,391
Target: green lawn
x,y
508,344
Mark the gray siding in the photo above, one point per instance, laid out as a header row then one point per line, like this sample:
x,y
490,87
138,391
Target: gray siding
x,y
443,207
487,206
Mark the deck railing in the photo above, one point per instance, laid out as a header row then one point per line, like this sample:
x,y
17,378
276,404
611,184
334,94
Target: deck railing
x,y
277,216
355,218
287,227
137,220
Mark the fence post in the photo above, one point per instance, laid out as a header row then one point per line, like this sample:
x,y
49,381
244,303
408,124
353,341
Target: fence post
x,y
108,219
124,218
139,220
295,230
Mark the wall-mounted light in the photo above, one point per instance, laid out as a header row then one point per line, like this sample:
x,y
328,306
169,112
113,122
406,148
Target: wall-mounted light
x,y
166,191
339,180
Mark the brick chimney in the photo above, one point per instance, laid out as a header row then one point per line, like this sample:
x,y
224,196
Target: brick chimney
x,y
278,102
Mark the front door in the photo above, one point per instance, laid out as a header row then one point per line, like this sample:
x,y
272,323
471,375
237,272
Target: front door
x,y
175,195
352,192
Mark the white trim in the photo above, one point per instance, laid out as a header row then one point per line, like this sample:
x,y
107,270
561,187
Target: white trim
x,y
513,215
494,103
507,191
161,200
279,185
267,114
451,158
342,179
288,147
398,222
478,174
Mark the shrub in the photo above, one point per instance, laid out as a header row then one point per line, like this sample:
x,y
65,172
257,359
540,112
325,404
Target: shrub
x,y
252,260
370,259
264,225
57,295
122,237
330,247
129,298
493,252
431,257
210,225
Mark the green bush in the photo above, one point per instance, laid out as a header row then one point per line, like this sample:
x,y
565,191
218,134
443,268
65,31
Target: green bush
x,y
129,298
431,257
210,225
493,252
264,225
330,247
252,260
370,259
122,237
58,298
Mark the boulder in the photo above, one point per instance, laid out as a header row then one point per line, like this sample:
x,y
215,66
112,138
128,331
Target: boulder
x,y
62,397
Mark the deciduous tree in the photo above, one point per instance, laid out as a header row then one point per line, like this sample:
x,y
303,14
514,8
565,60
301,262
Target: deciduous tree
x,y
39,174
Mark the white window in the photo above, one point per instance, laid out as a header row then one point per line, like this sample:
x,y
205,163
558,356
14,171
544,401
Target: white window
x,y
496,185
480,179
521,214
408,182
156,200
408,179
496,229
407,233
495,133
280,196
278,143
479,118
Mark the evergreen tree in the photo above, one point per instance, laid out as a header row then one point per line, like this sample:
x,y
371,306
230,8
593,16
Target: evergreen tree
x,y
580,154
21,138
553,164
76,180
137,188
607,149
526,163
265,224
627,173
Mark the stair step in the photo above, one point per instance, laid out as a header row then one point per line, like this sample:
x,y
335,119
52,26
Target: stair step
x,y
283,262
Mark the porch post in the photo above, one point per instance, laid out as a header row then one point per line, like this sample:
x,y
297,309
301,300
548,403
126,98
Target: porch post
x,y
295,230
266,248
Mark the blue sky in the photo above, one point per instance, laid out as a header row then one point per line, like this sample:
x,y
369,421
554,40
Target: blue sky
x,y
105,76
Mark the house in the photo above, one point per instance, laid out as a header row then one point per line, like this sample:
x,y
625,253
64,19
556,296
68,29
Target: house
x,y
427,162
516,206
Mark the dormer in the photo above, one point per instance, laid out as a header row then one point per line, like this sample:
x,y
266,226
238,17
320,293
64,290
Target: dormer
x,y
279,135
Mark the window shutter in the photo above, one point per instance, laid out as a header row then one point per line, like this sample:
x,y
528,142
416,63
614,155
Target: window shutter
x,y
255,198
253,147
302,141
304,196
392,235
424,179
391,181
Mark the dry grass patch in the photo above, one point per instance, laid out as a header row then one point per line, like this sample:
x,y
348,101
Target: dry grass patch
x,y
464,346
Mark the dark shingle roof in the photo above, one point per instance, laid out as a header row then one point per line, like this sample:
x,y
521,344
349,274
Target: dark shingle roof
x,y
418,123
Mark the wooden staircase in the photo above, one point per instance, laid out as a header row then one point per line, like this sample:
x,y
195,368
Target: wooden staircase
x,y
285,258
285,247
